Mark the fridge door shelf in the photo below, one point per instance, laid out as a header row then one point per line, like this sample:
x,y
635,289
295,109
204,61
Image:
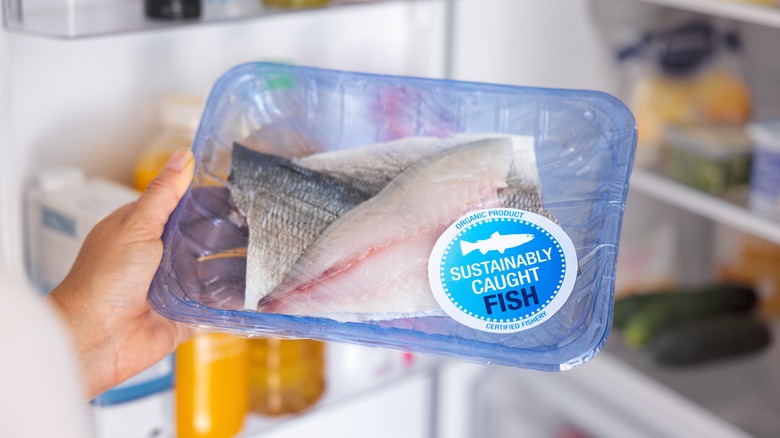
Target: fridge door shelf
x,y
90,18
732,212
345,390
748,11
743,392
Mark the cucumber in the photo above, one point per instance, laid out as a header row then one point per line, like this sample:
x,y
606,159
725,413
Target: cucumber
x,y
627,307
709,339
669,309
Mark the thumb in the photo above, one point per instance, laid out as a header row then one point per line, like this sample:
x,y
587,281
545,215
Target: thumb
x,y
164,192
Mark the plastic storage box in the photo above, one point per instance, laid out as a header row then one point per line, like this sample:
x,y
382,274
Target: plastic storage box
x,y
765,174
584,144
711,158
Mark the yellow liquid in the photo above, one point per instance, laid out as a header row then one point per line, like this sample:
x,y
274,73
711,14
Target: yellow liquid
x,y
212,394
285,376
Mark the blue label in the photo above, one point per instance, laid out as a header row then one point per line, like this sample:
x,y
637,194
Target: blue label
x,y
59,222
502,270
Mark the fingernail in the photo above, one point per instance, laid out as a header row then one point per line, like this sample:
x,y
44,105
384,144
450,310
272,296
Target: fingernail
x,y
178,160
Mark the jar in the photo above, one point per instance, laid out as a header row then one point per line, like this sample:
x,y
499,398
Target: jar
x,y
285,375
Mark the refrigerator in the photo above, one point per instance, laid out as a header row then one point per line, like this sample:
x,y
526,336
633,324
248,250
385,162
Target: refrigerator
x,y
81,83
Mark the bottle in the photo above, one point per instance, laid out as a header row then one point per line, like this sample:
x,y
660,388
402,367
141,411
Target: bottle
x,y
212,394
180,118
285,376
172,9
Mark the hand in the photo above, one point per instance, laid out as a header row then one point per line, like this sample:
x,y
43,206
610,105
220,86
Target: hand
x,y
103,299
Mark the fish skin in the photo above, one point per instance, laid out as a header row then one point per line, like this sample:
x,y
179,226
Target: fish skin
x,y
286,208
523,190
399,224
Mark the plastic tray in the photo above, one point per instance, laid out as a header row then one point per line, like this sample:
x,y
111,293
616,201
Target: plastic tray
x,y
584,143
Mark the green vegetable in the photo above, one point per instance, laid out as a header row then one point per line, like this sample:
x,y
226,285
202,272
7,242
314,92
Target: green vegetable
x,y
708,339
629,306
651,316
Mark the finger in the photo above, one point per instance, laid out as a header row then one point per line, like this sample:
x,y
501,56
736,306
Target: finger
x,y
164,192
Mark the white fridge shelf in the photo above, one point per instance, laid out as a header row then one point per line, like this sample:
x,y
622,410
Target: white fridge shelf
x,y
89,18
734,214
731,9
740,392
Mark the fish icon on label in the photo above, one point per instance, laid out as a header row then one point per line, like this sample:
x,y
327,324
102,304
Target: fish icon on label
x,y
496,242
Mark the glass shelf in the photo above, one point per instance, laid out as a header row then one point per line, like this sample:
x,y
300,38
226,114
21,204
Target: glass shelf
x,y
88,18
744,391
728,212
746,11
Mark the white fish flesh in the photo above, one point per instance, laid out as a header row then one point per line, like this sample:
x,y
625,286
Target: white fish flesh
x,y
371,262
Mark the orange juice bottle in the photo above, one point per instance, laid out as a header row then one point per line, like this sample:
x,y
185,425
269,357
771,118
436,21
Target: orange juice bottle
x,y
285,376
180,117
212,394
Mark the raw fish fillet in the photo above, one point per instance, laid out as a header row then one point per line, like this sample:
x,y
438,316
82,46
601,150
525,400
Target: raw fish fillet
x,y
279,235
286,208
372,167
371,263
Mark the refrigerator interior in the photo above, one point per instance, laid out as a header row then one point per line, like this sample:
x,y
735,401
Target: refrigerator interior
x,y
93,102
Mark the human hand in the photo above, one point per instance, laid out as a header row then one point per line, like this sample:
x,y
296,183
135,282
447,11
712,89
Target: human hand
x,y
103,299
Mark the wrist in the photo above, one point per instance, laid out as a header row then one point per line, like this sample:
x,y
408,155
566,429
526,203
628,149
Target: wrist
x,y
89,339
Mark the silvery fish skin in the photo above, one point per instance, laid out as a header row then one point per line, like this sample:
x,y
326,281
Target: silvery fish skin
x,y
286,208
523,188
371,263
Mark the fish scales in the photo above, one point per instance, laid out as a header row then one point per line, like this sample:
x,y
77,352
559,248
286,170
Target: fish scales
x,y
337,275
286,207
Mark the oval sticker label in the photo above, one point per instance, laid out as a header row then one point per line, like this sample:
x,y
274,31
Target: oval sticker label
x,y
502,270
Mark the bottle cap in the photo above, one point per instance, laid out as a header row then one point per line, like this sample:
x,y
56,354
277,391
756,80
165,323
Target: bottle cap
x,y
60,178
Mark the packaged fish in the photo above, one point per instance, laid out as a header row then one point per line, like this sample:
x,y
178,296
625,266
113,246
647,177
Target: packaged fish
x,y
469,220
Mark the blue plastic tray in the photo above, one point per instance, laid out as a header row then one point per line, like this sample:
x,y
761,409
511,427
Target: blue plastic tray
x,y
584,143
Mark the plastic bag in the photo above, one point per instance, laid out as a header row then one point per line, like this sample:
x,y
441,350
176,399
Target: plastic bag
x,y
583,142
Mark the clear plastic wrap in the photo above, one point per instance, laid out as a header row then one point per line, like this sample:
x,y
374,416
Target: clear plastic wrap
x,y
583,142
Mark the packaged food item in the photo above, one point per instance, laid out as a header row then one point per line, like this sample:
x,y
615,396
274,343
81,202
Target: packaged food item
x,y
751,260
487,232
685,71
285,376
62,207
765,174
712,158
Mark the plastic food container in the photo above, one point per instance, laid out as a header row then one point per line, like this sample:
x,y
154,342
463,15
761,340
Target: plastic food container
x,y
765,176
711,158
583,143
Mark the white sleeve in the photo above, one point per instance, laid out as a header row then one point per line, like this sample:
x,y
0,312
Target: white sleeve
x,y
42,393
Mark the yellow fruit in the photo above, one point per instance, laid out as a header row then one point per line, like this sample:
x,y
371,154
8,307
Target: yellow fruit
x,y
722,97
